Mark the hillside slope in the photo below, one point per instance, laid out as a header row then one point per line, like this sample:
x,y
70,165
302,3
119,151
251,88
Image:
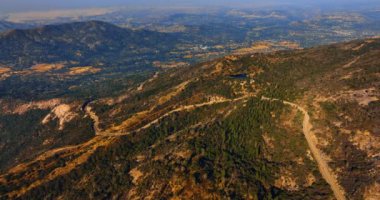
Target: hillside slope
x,y
74,58
89,42
230,128
5,25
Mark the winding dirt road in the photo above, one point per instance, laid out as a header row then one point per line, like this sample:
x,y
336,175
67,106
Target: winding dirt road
x,y
100,132
324,169
94,118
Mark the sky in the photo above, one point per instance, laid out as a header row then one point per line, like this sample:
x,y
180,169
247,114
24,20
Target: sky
x,y
9,6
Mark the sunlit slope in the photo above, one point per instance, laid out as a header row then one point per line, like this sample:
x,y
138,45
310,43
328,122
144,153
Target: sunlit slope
x,y
238,127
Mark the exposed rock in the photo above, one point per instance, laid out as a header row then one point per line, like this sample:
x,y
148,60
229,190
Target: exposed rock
x,y
63,113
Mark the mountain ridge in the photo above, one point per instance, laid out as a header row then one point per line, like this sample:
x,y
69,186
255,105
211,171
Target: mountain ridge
x,y
77,41
179,144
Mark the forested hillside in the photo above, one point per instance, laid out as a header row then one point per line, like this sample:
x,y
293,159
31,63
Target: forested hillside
x,y
257,126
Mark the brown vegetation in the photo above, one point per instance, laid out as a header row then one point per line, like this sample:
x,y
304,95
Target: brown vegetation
x,y
83,70
45,67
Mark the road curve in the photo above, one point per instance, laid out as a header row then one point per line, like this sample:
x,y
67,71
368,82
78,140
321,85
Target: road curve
x,y
94,118
100,132
324,169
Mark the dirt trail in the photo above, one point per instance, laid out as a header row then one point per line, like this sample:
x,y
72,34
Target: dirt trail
x,y
179,109
82,151
94,118
324,169
141,86
351,62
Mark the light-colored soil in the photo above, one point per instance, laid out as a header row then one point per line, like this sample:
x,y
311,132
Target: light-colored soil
x,y
141,86
168,65
4,70
178,89
136,175
372,192
218,68
351,62
310,180
45,67
45,104
112,131
63,113
367,142
84,151
286,181
83,70
267,46
183,154
94,118
135,119
358,47
363,96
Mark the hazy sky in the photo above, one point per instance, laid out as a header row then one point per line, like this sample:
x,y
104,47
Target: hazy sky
x,y
7,6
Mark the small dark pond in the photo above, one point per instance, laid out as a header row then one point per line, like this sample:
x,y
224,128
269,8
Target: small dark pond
x,y
239,76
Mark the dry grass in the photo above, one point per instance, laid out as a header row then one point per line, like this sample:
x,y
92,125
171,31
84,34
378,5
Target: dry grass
x,y
136,174
4,70
366,141
83,70
84,151
140,116
363,97
44,104
167,65
372,192
45,67
267,46
176,90
135,119
258,47
184,154
286,181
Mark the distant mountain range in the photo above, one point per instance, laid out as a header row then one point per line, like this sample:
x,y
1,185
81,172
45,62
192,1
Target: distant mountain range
x,y
5,25
92,110
84,42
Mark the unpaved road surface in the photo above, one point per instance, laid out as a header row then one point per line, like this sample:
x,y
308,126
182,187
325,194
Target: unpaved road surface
x,y
324,169
94,118
99,132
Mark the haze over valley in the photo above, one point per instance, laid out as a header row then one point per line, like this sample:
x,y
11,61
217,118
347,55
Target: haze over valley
x,y
190,100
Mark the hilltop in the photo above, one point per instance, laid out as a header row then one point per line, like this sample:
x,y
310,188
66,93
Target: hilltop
x,y
301,124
